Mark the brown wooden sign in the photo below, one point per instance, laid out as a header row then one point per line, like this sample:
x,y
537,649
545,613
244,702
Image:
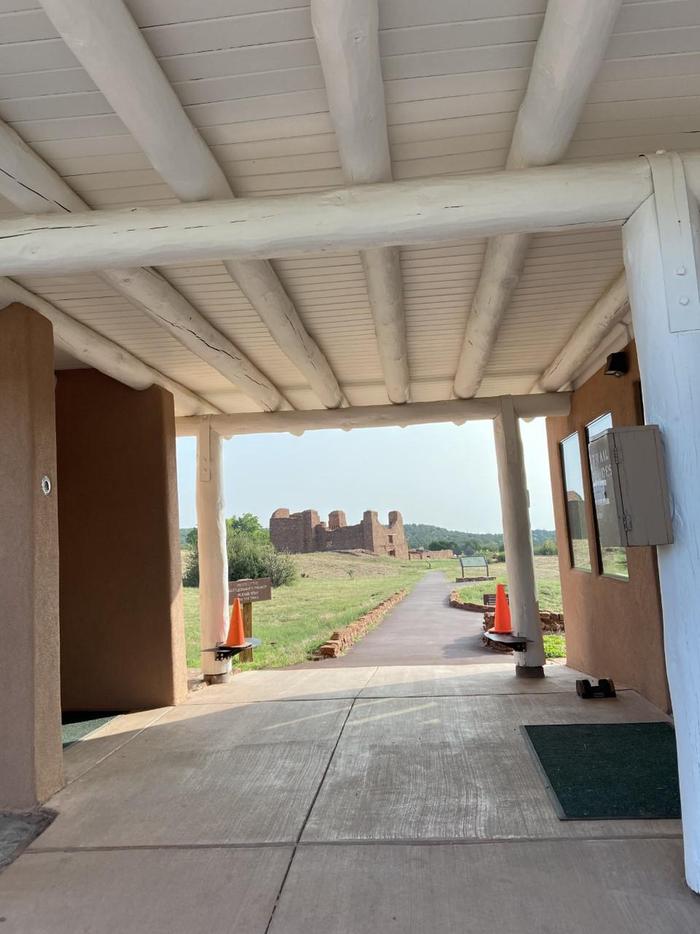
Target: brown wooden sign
x,y
250,589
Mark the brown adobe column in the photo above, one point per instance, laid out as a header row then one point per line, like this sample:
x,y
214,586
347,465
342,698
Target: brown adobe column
x,y
122,630
31,763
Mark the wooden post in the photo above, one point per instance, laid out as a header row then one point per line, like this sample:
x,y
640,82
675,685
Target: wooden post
x,y
247,655
517,540
663,285
213,561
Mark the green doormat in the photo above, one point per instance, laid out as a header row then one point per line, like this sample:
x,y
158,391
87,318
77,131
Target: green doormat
x,y
77,724
18,829
609,771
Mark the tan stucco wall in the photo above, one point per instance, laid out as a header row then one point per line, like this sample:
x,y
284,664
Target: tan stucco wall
x,y
122,631
31,760
613,627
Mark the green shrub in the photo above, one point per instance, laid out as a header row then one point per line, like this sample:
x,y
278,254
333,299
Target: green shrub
x,y
280,567
249,555
250,558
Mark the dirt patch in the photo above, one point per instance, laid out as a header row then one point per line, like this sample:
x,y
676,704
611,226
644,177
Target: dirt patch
x,y
341,640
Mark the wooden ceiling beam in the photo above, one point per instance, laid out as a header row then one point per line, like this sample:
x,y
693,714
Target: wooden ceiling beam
x,y
33,186
109,45
589,334
568,55
378,416
347,38
101,353
421,211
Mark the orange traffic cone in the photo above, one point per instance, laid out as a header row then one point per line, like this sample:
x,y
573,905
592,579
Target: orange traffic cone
x,y
236,635
501,622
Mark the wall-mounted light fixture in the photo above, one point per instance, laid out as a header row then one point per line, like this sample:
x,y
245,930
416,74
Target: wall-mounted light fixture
x,y
617,364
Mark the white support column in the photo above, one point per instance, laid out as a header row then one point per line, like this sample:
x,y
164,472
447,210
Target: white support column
x,y
663,285
517,539
213,560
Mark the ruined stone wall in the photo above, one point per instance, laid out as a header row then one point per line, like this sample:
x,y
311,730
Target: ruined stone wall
x,y
339,538
292,533
385,540
303,532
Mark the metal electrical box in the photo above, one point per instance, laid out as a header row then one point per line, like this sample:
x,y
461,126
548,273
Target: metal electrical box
x,y
630,494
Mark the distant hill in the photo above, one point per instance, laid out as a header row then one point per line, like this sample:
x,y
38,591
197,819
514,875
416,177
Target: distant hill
x,y
420,535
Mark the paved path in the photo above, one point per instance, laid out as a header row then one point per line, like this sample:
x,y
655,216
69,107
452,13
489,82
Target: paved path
x,y
380,800
422,630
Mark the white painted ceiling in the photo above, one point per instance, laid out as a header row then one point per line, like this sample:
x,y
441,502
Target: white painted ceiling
x,y
248,74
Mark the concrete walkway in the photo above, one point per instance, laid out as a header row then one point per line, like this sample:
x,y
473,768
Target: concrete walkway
x,y
422,630
343,801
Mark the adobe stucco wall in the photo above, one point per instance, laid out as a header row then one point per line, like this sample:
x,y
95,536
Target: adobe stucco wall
x,y
31,759
613,626
122,632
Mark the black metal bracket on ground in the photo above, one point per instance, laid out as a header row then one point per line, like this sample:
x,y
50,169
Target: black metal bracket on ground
x,y
604,688
516,643
222,652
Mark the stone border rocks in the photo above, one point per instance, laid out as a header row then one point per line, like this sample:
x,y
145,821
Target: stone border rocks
x,y
551,622
342,639
459,605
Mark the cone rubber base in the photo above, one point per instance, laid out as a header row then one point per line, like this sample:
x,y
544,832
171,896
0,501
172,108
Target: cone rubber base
x,y
529,671
223,678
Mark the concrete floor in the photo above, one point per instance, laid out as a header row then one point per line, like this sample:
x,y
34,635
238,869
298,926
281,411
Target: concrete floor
x,y
422,630
343,801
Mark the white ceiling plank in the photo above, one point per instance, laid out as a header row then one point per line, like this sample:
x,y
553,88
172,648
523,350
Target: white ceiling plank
x,y
569,53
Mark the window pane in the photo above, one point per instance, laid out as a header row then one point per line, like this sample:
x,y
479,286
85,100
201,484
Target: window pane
x,y
613,560
575,502
598,425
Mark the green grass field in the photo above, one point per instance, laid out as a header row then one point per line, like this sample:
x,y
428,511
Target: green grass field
x,y
548,584
554,645
332,591
335,589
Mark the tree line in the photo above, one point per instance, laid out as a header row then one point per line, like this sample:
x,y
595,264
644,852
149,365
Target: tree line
x,y
489,544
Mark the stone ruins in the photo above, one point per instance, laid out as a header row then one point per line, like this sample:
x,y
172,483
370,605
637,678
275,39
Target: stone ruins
x,y
303,531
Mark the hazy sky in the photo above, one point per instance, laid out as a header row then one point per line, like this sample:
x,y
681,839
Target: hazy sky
x,y
438,474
